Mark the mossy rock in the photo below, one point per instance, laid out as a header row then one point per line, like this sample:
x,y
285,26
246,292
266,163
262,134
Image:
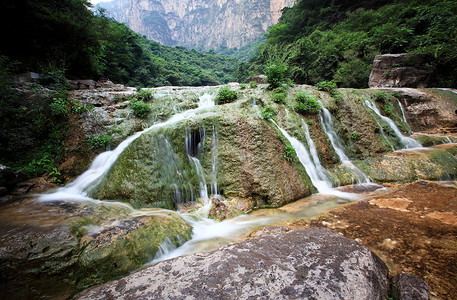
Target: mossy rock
x,y
408,166
127,245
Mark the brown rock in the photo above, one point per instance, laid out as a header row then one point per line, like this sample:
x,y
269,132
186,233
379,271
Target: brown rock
x,y
400,70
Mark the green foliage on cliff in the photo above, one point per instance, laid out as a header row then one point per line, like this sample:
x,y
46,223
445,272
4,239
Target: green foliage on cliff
x,y
225,95
338,39
307,104
47,36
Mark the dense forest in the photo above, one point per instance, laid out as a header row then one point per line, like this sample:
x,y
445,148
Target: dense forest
x,y
337,40
65,36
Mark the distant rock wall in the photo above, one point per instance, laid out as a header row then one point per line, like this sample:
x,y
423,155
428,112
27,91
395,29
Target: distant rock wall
x,y
199,24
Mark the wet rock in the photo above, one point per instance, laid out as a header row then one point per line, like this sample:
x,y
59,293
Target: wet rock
x,y
222,209
429,110
47,249
8,179
126,245
410,165
309,264
409,287
400,70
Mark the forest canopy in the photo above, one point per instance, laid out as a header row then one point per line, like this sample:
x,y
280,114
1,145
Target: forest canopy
x,y
65,35
337,40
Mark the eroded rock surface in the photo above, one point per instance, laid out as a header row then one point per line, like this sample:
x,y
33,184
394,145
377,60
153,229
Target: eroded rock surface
x,y
313,263
400,70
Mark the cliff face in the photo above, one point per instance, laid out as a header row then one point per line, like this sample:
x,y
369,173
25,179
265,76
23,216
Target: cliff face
x,y
199,24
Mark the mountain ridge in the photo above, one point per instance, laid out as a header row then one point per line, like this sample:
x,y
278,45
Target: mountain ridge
x,y
199,24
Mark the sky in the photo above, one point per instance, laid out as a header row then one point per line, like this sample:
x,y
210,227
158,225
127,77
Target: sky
x,y
98,1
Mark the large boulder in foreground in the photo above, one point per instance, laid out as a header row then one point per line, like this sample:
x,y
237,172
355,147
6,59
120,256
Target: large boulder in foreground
x,y
313,263
51,249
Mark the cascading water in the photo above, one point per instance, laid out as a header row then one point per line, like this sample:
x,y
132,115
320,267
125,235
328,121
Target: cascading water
x,y
313,151
318,179
407,142
327,125
79,188
318,175
194,139
403,115
214,146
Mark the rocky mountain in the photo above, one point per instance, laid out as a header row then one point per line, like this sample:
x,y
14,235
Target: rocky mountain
x,y
199,24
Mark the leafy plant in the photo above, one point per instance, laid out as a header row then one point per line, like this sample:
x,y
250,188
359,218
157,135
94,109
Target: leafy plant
x,y
60,107
253,84
275,74
381,96
331,88
243,86
99,141
144,95
268,112
279,98
289,153
388,109
225,95
140,109
306,104
55,174
354,135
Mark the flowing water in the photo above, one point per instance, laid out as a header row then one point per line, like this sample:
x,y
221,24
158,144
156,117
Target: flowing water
x,y
317,174
327,125
207,233
407,142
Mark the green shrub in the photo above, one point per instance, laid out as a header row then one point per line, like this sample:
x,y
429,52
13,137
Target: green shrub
x,y
279,98
243,86
307,104
275,74
268,112
140,109
331,88
354,135
289,153
253,84
59,107
381,96
225,95
388,109
99,141
144,95
280,89
326,86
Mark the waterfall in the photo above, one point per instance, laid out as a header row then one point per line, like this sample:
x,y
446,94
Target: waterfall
x,y
214,153
318,178
194,140
79,188
315,171
407,142
313,151
327,125
403,115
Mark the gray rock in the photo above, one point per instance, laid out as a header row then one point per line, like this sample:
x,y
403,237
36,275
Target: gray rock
x,y
8,179
409,287
313,263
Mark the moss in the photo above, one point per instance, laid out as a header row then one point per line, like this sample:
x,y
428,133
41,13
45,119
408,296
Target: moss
x,y
408,166
116,251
